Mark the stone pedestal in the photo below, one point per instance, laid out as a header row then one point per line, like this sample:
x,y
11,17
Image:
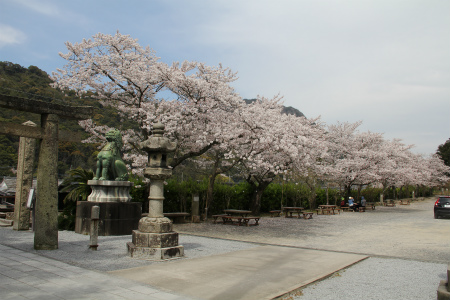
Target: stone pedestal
x,y
116,218
155,240
443,292
109,191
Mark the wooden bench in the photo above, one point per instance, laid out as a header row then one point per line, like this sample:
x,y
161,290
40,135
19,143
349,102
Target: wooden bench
x,y
215,217
177,217
246,221
307,215
289,211
275,213
362,209
346,208
326,211
405,202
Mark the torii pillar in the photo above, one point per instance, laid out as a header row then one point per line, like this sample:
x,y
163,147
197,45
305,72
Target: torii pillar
x,y
46,209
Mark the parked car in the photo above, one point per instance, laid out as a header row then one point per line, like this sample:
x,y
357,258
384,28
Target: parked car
x,y
442,207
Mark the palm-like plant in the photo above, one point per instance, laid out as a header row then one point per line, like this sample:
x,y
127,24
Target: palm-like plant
x,y
76,184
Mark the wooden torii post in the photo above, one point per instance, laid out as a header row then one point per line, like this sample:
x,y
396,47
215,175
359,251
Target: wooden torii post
x,y
46,208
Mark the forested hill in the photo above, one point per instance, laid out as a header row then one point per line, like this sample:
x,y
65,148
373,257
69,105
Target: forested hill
x,y
288,110
33,83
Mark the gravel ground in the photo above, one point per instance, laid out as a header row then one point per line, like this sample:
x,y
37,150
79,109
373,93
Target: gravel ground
x,y
377,278
404,231
409,249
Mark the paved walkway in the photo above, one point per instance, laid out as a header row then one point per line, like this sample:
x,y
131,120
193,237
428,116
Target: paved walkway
x,y
263,272
25,275
257,272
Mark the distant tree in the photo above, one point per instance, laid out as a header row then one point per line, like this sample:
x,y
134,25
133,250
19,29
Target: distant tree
x,y
8,156
443,152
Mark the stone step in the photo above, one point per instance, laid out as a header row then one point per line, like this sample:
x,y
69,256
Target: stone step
x,y
448,275
6,223
442,292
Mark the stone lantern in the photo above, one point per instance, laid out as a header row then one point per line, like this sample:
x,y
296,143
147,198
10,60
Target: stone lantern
x,y
155,239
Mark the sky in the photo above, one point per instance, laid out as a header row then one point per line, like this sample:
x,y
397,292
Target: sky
x,y
383,62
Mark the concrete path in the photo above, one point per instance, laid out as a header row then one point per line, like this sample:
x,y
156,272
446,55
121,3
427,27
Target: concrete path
x,y
25,275
263,272
235,271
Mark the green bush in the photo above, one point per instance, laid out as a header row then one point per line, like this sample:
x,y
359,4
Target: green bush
x,y
66,219
178,196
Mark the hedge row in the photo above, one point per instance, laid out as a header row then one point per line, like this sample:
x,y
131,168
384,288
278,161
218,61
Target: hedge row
x,y
178,195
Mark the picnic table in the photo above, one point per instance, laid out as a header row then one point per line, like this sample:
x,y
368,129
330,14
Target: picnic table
x,y
288,211
239,212
327,209
237,216
275,213
390,203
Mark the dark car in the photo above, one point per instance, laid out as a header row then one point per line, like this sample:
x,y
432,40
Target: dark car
x,y
442,207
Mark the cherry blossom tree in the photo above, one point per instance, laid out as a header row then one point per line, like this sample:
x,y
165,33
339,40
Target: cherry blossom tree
x,y
396,168
274,143
120,73
362,158
354,156
432,171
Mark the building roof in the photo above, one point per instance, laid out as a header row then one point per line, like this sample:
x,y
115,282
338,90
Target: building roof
x,y
8,185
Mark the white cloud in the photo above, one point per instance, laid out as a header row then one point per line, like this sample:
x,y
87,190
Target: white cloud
x,y
10,35
41,7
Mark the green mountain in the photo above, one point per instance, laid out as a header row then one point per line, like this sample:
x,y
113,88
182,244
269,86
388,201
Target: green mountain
x,y
33,83
288,110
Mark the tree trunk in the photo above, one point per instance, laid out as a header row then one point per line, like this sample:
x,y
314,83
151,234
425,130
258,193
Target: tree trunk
x,y
210,190
258,191
348,190
359,192
209,193
312,199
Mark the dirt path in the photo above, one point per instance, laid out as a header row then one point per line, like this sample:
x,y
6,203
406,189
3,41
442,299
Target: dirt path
x,y
404,231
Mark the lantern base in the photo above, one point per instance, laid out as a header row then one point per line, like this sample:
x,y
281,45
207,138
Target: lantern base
x,y
155,246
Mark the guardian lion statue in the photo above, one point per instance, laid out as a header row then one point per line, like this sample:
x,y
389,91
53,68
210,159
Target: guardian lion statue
x,y
110,165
